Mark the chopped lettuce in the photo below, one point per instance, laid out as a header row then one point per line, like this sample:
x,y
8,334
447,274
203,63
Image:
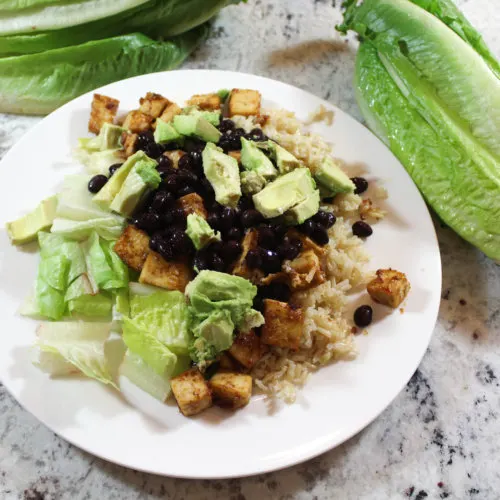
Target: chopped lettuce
x,y
81,344
82,301
50,301
108,228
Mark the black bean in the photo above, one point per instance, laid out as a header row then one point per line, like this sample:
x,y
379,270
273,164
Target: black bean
x,y
363,316
307,227
245,203
227,218
361,184
149,222
288,251
226,125
97,183
270,261
362,229
225,143
153,150
278,226
187,177
208,190
113,168
172,183
267,238
326,219
254,259
213,220
162,201
192,144
250,218
235,233
196,159
164,162
172,146
256,134
144,139
231,250
185,162
217,264
319,235
179,217
165,249
181,243
185,191
200,261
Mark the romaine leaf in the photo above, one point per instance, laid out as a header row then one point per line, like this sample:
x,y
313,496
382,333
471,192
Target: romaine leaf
x,y
81,344
50,301
82,300
108,228
54,271
54,364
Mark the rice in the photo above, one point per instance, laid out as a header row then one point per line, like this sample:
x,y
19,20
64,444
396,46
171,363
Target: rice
x,y
327,333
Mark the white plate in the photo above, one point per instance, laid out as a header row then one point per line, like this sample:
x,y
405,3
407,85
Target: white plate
x,y
338,401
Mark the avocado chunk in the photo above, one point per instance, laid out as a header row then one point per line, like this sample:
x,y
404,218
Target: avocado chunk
x,y
253,159
284,193
252,182
223,174
333,178
196,126
212,117
109,138
302,211
165,132
200,232
217,329
107,194
142,178
285,160
26,228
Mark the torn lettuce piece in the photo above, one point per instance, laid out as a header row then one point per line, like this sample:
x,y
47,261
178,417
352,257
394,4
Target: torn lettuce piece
x,y
108,228
54,271
49,301
200,232
79,343
82,301
54,364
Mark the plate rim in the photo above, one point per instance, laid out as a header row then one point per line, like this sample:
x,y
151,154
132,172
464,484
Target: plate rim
x,y
327,441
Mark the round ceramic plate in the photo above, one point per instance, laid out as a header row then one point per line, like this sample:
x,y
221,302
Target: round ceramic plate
x,y
337,402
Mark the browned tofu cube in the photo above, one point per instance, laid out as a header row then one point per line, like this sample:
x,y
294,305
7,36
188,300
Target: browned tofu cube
x,y
283,326
227,363
240,268
137,122
164,274
133,247
129,142
103,111
192,203
169,112
207,102
390,287
191,392
236,155
231,390
244,102
247,349
174,156
153,104
305,271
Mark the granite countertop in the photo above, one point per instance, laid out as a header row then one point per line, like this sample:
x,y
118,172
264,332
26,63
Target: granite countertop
x,y
439,438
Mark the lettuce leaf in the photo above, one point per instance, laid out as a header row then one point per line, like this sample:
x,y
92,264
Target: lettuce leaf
x,y
108,228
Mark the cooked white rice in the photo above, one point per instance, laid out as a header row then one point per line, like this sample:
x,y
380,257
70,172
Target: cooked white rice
x,y
327,335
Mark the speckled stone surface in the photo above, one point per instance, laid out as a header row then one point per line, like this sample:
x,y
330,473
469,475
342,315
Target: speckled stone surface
x,y
439,438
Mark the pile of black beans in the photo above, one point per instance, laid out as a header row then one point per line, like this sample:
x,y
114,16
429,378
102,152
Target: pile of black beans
x,y
231,136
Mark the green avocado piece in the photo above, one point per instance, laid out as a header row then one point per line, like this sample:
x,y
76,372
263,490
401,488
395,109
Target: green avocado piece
x,y
193,125
142,178
252,182
223,174
109,138
217,329
26,228
107,194
332,177
285,160
165,132
253,159
200,232
212,117
284,193
302,211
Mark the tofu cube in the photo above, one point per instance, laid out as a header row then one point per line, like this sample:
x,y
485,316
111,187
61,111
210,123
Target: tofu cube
x,y
390,287
191,392
153,104
164,274
192,203
244,102
174,156
227,363
169,112
207,102
236,155
250,242
129,142
247,349
283,326
133,247
305,271
103,111
231,390
136,122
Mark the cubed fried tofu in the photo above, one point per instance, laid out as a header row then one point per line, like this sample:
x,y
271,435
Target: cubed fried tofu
x,y
133,247
192,203
244,102
191,392
305,271
247,349
236,155
207,102
169,112
129,142
165,274
231,390
250,242
283,326
136,122
227,363
153,104
390,287
174,156
103,111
